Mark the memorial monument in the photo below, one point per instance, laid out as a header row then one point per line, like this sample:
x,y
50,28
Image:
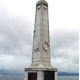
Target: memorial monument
x,y
40,68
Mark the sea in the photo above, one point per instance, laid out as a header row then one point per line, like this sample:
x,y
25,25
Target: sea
x,y
22,78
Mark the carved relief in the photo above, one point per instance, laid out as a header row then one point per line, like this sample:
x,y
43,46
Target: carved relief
x,y
45,6
38,6
46,46
36,48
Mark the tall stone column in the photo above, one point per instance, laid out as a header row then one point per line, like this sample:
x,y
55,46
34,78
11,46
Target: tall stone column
x,y
41,38
41,62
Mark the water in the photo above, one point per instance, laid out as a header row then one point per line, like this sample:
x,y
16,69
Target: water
x,y
68,77
22,78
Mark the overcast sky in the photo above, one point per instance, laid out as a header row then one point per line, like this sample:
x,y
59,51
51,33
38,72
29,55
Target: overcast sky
x,y
16,33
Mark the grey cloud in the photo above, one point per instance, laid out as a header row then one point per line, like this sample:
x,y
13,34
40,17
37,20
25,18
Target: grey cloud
x,y
64,38
65,47
63,41
14,63
16,34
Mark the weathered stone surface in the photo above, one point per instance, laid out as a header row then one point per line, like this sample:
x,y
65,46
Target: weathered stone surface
x,y
41,43
55,75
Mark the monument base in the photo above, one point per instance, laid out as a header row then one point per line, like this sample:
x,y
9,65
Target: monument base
x,y
40,73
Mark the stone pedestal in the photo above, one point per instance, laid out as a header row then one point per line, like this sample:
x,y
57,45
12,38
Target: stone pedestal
x,y
40,74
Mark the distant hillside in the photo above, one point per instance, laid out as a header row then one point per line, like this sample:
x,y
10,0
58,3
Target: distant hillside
x,y
67,74
12,72
9,72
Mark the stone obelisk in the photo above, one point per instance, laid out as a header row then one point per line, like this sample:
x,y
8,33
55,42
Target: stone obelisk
x,y
40,68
